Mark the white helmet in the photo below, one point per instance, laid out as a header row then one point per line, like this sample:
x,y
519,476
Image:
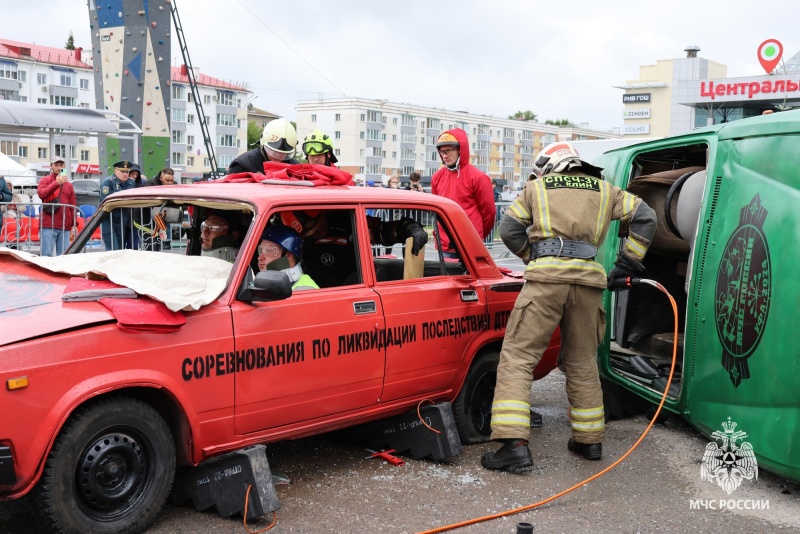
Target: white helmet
x,y
279,139
556,157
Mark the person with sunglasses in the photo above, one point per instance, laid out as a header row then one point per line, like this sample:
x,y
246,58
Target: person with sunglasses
x,y
118,221
219,236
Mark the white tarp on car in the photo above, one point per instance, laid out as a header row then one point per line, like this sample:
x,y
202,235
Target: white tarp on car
x,y
180,282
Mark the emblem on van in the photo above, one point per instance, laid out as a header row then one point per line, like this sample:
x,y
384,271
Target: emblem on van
x,y
728,462
743,291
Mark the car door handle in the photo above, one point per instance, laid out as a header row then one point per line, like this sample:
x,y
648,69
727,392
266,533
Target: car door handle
x,y
469,295
361,308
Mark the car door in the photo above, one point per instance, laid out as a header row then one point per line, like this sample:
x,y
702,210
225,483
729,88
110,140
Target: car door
x,y
430,320
313,355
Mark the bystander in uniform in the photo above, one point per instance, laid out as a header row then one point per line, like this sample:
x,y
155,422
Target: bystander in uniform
x,y
118,222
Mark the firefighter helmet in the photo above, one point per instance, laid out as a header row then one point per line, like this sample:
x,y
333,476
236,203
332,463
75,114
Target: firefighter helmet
x,y
279,139
556,157
318,142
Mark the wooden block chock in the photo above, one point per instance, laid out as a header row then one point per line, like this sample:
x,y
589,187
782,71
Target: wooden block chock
x,y
413,266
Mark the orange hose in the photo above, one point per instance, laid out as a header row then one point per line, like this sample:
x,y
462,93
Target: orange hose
x,y
246,503
419,414
607,469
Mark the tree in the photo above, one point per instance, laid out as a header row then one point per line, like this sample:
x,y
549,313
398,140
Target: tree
x,y
523,116
70,42
253,134
560,122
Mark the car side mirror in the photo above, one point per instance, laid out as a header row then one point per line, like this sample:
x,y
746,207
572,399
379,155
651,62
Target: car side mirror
x,y
270,285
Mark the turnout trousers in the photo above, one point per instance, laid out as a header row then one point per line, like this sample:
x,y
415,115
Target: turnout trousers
x,y
539,309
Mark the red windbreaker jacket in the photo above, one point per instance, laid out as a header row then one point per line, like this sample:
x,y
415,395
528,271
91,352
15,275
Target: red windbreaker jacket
x,y
468,187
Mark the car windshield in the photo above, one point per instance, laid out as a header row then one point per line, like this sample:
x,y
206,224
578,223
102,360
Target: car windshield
x,y
165,225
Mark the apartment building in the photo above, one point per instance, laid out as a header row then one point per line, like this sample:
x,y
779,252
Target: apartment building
x,y
375,139
225,109
55,76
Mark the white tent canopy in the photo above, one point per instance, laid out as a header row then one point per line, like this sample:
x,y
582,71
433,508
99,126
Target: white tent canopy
x,y
16,173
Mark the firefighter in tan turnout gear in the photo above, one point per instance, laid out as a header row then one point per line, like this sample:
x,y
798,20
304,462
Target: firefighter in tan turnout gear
x,y
556,225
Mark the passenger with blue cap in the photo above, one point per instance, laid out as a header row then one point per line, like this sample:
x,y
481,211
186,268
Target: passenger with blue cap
x,y
281,249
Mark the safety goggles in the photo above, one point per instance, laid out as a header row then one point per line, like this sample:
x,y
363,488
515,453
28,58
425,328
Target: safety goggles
x,y
267,250
274,155
212,228
313,148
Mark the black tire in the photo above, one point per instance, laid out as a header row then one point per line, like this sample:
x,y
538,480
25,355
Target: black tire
x,y
110,469
472,409
618,402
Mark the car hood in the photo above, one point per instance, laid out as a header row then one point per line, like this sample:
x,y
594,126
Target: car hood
x,y
31,306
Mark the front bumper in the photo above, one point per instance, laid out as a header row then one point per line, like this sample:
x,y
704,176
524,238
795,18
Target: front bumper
x,y
7,475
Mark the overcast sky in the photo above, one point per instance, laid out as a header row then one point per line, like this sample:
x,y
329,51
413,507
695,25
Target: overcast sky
x,y
559,59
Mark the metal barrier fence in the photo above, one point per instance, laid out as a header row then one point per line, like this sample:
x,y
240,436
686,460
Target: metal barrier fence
x,y
425,218
22,227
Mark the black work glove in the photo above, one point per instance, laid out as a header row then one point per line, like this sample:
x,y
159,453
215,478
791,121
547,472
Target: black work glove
x,y
407,227
624,269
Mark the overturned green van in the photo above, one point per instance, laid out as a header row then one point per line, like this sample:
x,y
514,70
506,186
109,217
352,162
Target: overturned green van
x,y
726,248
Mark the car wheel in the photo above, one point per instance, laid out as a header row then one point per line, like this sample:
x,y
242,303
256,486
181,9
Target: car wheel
x,y
110,469
472,408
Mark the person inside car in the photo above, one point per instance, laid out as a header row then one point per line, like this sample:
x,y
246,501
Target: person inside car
x,y
219,236
281,249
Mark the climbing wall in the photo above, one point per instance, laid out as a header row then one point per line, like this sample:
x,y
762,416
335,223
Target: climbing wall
x,y
131,56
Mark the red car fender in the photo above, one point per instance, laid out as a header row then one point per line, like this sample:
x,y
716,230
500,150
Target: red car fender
x,y
96,386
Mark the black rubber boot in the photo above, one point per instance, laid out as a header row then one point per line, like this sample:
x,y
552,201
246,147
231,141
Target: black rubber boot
x,y
514,454
590,451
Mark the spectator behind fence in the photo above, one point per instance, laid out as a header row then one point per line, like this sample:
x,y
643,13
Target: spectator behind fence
x,y
5,196
415,184
463,183
113,228
164,177
132,237
59,219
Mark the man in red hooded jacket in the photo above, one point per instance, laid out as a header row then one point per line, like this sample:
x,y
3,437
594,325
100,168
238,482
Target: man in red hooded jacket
x,y
462,183
56,223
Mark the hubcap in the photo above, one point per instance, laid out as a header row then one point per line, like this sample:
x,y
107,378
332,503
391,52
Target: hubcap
x,y
111,474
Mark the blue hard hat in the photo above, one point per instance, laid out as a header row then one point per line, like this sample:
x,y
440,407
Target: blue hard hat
x,y
285,237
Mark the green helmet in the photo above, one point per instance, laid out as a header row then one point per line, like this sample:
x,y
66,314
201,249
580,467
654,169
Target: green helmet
x,y
318,142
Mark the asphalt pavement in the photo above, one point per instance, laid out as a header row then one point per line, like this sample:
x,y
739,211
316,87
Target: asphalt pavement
x,y
334,489
658,488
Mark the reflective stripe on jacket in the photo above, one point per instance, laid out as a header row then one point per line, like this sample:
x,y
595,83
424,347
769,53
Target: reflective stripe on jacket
x,y
575,206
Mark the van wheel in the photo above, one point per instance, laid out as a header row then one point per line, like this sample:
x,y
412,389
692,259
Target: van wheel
x,y
110,469
618,402
472,409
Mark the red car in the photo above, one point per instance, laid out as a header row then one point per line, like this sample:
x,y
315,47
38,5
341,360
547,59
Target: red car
x,y
96,414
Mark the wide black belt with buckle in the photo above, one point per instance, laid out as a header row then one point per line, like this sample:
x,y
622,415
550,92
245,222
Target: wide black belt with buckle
x,y
566,248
